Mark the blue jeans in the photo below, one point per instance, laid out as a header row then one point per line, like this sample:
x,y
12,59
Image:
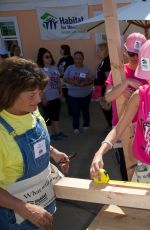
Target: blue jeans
x,y
80,104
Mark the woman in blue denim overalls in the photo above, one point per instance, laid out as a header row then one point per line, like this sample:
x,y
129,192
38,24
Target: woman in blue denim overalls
x,y
27,200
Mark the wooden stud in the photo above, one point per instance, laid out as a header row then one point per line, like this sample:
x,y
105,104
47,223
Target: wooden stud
x,y
86,190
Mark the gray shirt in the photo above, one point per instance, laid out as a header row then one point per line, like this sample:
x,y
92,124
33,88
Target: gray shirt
x,y
52,89
80,75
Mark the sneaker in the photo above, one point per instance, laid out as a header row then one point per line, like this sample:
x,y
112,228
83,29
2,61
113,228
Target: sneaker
x,y
61,134
85,129
76,131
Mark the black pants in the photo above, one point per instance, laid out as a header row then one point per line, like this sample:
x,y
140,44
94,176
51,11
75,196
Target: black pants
x,y
108,116
52,111
65,93
107,113
80,104
121,160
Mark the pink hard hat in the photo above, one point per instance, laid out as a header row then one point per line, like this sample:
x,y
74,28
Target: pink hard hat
x,y
134,42
143,68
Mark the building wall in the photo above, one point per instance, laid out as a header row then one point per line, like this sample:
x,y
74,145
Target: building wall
x,y
30,37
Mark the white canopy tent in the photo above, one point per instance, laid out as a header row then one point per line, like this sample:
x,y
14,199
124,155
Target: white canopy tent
x,y
133,17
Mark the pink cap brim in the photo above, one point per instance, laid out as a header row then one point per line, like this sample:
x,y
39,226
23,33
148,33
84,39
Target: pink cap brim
x,y
131,50
142,74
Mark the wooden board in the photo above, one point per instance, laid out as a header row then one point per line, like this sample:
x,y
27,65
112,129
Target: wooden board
x,y
116,59
86,190
118,218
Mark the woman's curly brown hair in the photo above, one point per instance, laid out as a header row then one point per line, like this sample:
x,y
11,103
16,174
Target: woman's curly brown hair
x,y
18,75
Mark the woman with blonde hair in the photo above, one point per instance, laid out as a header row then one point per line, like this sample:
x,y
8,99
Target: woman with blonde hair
x,y
102,73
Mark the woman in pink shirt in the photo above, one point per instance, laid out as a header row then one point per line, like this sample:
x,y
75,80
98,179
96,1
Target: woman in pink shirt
x,y
130,83
139,104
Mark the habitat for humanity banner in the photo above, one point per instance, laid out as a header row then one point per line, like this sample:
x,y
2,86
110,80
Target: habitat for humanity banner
x,y
59,23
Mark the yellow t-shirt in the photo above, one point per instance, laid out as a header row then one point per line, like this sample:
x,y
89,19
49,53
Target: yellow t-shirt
x,y
11,161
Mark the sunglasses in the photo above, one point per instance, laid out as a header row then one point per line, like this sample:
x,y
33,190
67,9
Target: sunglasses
x,y
47,57
130,54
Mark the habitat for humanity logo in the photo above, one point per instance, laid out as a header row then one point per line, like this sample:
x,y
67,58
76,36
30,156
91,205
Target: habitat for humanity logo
x,y
49,21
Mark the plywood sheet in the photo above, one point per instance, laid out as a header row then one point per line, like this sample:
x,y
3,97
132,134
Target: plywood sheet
x,y
117,218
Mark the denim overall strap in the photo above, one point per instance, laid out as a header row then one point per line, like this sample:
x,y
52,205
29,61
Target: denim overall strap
x,y
7,126
28,142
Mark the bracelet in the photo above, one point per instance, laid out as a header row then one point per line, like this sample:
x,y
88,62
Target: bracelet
x,y
107,142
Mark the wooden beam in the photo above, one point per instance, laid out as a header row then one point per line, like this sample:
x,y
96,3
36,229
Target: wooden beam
x,y
114,40
116,59
86,190
118,218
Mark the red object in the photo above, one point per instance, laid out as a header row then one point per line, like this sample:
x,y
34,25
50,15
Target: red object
x,y
96,92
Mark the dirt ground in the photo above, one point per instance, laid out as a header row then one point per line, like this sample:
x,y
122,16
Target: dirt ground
x,y
75,215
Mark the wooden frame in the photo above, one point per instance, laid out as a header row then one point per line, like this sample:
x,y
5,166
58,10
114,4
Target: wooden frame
x,y
113,217
129,203
86,190
116,59
126,195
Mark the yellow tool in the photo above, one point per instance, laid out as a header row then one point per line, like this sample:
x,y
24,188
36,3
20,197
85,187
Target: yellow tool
x,y
102,177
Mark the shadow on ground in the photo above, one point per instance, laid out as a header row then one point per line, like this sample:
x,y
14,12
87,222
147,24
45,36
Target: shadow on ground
x,y
75,215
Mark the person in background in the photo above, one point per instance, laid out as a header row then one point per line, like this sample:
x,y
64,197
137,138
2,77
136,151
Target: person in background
x,y
132,45
51,94
63,63
102,72
27,200
3,54
80,81
15,50
138,106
